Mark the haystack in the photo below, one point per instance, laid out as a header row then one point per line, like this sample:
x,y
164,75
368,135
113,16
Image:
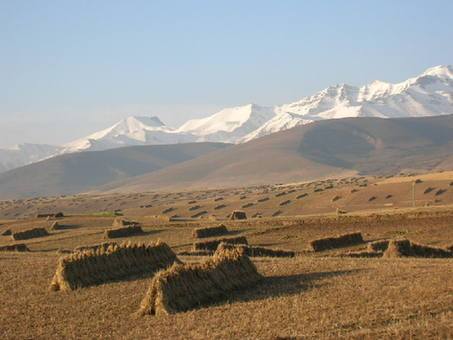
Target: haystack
x,y
213,244
209,231
103,245
55,226
15,247
253,251
123,231
362,253
7,232
187,286
339,241
122,222
378,245
405,247
30,233
87,268
238,215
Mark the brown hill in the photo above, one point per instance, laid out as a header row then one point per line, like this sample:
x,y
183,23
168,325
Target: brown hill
x,y
321,149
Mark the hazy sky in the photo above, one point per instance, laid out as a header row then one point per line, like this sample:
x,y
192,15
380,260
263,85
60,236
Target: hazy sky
x,y
69,68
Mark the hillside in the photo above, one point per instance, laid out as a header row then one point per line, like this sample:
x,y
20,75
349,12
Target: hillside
x,y
76,172
321,149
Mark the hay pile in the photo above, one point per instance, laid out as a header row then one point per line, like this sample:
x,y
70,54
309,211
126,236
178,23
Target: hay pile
x,y
362,253
50,215
209,231
405,247
30,233
7,232
187,286
56,226
378,245
15,247
82,269
103,245
344,240
253,251
238,215
213,244
119,222
123,231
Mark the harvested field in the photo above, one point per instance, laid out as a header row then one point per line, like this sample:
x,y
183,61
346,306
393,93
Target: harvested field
x,y
339,241
362,253
28,234
186,286
123,231
209,231
213,244
82,269
405,247
254,251
15,247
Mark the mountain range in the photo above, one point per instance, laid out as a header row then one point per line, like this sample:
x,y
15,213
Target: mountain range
x,y
429,94
322,149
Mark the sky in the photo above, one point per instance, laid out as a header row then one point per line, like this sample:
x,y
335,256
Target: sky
x,y
69,68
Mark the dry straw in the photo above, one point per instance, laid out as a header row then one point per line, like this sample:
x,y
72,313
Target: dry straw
x,y
238,215
92,267
7,232
15,247
123,231
405,247
186,286
253,251
213,244
122,222
103,245
209,231
30,233
338,241
378,245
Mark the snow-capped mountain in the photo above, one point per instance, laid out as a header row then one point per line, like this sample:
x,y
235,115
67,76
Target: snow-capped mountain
x,y
428,94
24,154
130,131
229,125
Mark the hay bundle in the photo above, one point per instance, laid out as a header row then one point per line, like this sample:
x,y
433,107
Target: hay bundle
x,y
405,247
30,233
124,231
56,226
87,268
213,244
15,247
187,286
209,231
253,251
122,222
378,245
103,245
238,215
339,241
7,232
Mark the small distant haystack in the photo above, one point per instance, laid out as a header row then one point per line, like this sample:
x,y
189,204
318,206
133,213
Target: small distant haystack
x,y
56,226
122,222
405,247
50,215
238,215
187,286
209,231
30,233
15,247
253,251
123,231
378,245
213,244
87,268
104,246
7,232
339,241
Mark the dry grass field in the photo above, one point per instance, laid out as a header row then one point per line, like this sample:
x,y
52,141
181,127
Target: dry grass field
x,y
312,295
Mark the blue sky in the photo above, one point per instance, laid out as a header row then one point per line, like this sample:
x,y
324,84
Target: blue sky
x,y
68,68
